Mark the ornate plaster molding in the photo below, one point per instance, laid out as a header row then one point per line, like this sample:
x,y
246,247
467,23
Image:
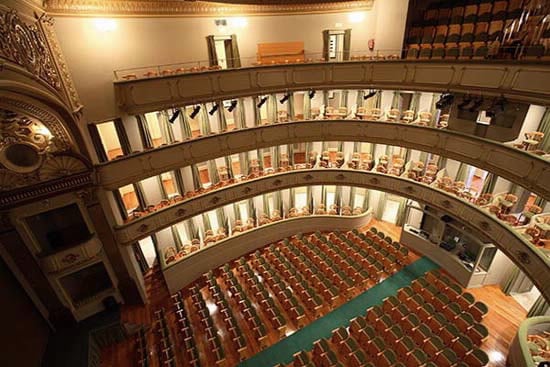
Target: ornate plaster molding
x,y
197,8
530,259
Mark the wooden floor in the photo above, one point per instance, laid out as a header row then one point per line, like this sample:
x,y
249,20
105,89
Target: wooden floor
x,y
504,317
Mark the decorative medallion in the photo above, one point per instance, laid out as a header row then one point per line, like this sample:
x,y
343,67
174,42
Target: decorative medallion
x,y
340,177
143,228
180,212
308,177
277,182
523,257
446,204
215,200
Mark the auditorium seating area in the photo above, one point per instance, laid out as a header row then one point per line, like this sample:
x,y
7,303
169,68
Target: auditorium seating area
x,y
479,29
432,323
247,305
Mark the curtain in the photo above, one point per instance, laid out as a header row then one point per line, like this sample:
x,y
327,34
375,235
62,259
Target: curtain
x,y
162,189
192,228
243,162
184,123
401,211
140,258
176,237
236,211
98,145
204,122
338,196
307,106
251,209
415,102
539,308
272,109
222,220
344,98
291,197
275,157
138,189
381,205
144,132
122,137
512,278
462,172
236,56
290,107
240,116
120,204
206,222
196,177
229,166
165,127
539,201
489,183
544,127
396,100
433,109
290,150
213,172
326,37
265,202
360,98
423,157
221,116
347,44
178,178
257,114
325,98
278,201
212,56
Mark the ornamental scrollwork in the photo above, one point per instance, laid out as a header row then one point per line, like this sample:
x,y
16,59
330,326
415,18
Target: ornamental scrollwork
x,y
25,45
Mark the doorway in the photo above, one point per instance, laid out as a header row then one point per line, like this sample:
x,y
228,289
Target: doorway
x,y
223,51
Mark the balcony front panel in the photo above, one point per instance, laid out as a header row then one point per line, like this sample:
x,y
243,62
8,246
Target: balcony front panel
x,y
521,81
532,261
524,169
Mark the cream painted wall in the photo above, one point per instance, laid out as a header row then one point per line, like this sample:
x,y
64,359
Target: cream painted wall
x,y
92,55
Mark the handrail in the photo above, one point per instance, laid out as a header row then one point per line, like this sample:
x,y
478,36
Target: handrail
x,y
520,167
519,355
533,262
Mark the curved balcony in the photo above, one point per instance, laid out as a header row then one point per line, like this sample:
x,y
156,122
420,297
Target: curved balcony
x,y
521,81
525,169
185,271
531,260
520,353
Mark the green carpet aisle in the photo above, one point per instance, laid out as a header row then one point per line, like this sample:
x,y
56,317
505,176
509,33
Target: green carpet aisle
x,y
303,339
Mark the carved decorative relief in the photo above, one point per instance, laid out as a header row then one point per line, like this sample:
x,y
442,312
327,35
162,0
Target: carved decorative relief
x,y
25,45
194,8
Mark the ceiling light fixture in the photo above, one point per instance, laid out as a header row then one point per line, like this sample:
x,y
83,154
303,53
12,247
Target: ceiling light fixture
x,y
232,106
371,94
213,109
174,116
263,100
285,98
311,94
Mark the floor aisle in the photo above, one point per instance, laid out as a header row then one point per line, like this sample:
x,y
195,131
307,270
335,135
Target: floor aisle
x,y
303,339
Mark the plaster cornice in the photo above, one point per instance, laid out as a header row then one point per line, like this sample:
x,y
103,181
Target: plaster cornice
x,y
170,8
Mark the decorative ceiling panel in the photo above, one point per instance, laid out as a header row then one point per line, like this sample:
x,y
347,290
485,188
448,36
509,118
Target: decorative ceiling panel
x,y
201,8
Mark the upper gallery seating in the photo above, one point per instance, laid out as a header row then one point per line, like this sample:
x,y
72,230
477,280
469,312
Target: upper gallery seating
x,y
478,29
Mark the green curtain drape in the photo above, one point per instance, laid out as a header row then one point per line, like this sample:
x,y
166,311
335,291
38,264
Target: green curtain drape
x,y
489,183
423,157
176,237
162,188
401,211
196,177
221,116
206,222
179,181
257,113
307,106
222,220
265,203
290,150
192,228
338,196
211,45
184,124
433,109
278,201
462,172
344,98
512,278
229,166
240,116
251,209
347,44
325,98
120,203
539,308
204,122
272,109
165,127
290,108
352,192
260,155
275,157
213,172
236,211
291,197
396,100
138,189
381,205
415,102
144,132
236,61
544,127
243,162
359,100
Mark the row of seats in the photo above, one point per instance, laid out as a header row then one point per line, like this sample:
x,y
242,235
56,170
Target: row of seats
x,y
167,357
411,330
142,349
185,331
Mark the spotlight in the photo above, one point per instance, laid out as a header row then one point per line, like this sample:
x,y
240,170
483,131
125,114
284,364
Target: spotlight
x,y
371,94
444,101
477,103
232,106
262,101
195,111
311,94
174,116
284,99
213,109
